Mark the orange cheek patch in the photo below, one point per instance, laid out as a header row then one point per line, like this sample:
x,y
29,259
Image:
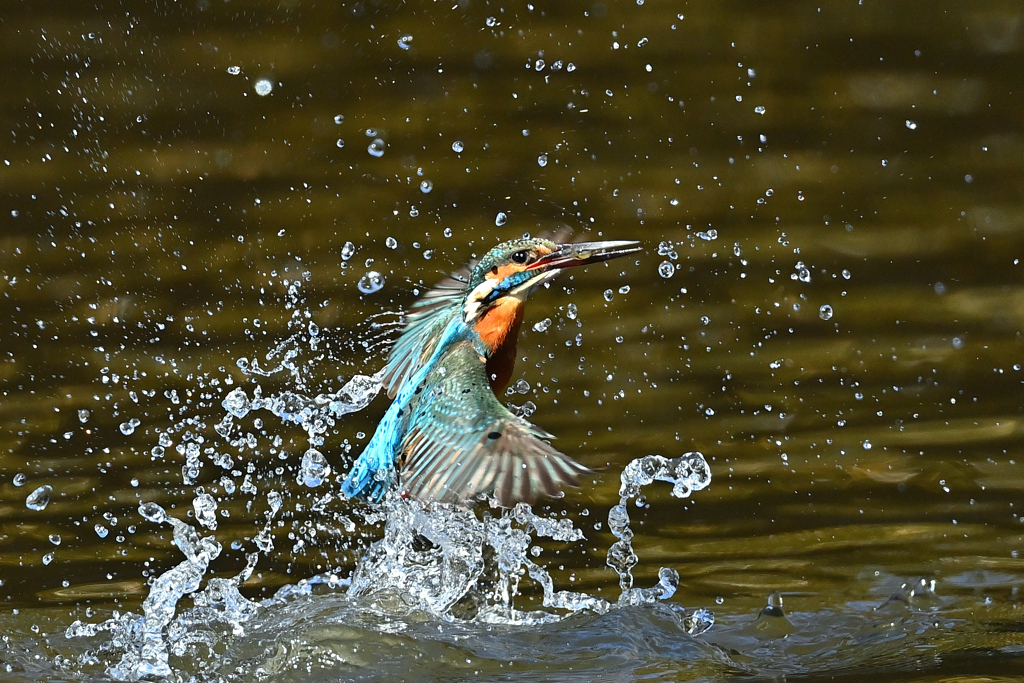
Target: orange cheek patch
x,y
504,271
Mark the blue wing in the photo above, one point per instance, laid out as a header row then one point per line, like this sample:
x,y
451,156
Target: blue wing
x,y
462,441
424,324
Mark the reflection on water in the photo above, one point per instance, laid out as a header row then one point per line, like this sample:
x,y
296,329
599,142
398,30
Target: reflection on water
x,y
829,308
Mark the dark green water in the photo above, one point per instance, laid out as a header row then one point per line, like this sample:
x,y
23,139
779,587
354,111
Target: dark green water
x,y
868,157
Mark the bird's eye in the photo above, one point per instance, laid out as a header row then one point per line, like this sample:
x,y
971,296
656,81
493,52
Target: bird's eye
x,y
519,257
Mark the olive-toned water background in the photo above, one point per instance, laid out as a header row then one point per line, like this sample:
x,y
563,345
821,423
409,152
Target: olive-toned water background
x,y
867,157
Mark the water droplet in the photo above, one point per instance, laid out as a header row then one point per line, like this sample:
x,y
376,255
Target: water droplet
x,y
705,320
237,403
609,295
803,273
426,186
666,269
234,70
347,251
624,289
376,148
47,558
709,235
314,469
500,219
19,479
457,146
340,143
339,119
825,312
542,326
40,498
542,160
263,87
846,274
491,22
152,512
391,243
206,510
911,125
101,530
128,427
447,232
571,312
55,539
405,42
370,282
83,416
664,248
759,110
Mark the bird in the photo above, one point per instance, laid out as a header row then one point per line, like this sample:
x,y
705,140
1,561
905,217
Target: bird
x,y
446,436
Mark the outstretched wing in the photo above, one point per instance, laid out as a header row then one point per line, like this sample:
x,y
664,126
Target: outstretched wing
x,y
463,442
424,323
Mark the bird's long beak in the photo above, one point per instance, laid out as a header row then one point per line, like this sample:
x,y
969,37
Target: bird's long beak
x,y
582,254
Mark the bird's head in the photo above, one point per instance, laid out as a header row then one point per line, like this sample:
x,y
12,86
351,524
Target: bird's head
x,y
507,274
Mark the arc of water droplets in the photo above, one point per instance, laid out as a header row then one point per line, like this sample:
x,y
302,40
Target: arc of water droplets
x,y
688,473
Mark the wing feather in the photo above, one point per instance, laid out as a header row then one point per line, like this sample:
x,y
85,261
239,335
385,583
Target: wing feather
x,y
463,442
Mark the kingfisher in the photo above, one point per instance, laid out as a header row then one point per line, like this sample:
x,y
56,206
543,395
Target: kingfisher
x,y
446,436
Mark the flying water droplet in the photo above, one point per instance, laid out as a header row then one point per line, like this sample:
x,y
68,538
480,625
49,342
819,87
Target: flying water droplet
x,y
129,426
152,512
405,42
426,186
391,243
19,479
40,498
314,470
570,311
624,289
101,530
263,87
234,70
347,251
825,312
370,282
376,148
55,539
83,416
542,326
609,295
339,119
666,269
500,219
206,510
457,146
542,160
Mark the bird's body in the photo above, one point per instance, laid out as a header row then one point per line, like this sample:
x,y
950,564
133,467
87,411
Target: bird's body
x,y
446,436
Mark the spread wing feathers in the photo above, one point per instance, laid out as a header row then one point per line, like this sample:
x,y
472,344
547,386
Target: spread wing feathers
x,y
463,442
424,323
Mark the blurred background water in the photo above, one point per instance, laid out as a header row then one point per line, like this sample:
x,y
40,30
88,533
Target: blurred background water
x,y
829,307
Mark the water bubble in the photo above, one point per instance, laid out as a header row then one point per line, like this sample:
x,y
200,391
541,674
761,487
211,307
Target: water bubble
x,y
825,312
206,510
542,160
83,416
370,282
101,530
237,403
40,498
500,219
347,251
664,248
609,295
129,426
426,186
339,119
152,512
391,243
457,146
803,273
263,87
666,269
542,326
376,148
314,469
405,42
234,70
